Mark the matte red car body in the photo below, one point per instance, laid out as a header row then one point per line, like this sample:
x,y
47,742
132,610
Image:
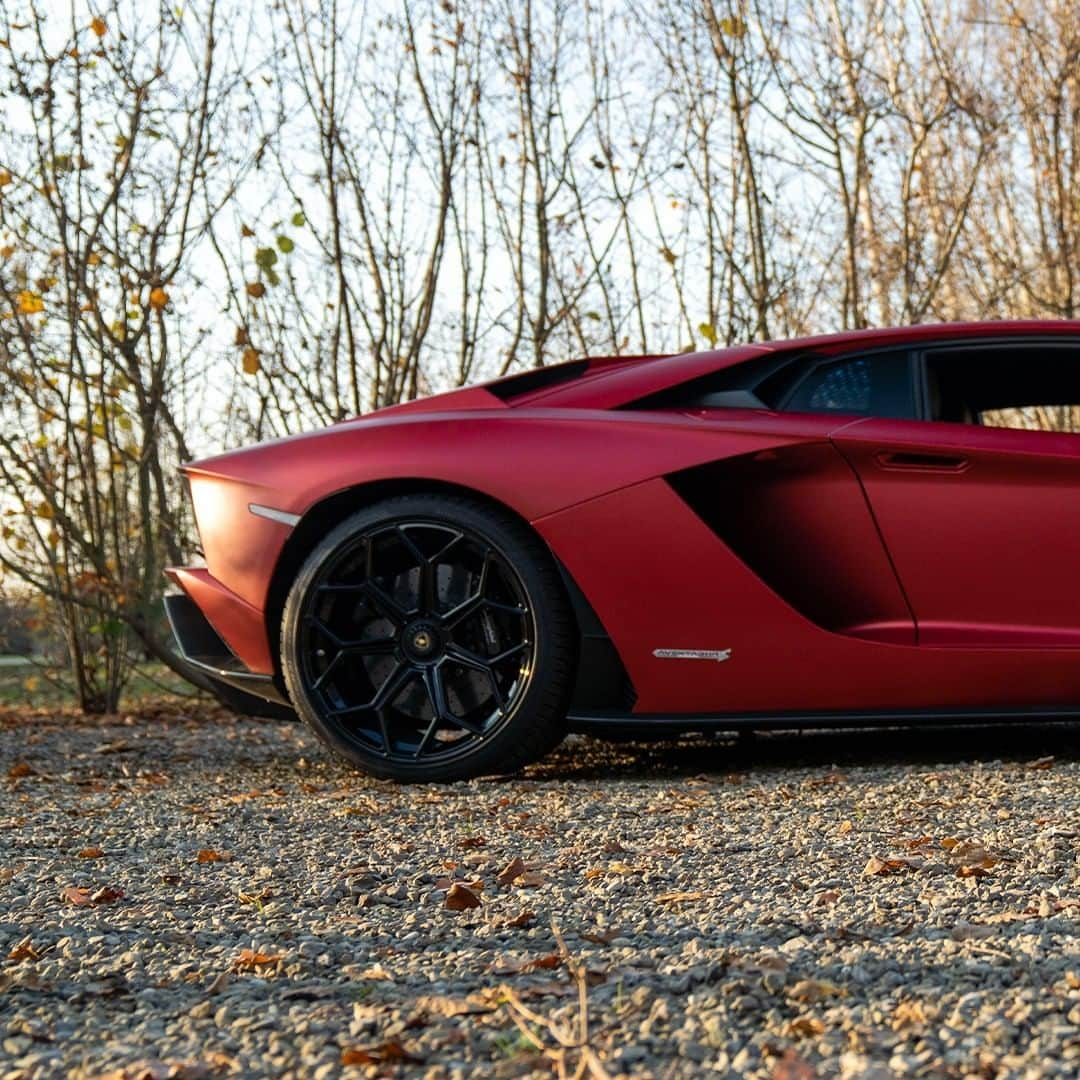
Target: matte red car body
x,y
940,557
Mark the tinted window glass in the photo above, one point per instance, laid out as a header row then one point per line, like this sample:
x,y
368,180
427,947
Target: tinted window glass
x,y
1030,385
863,386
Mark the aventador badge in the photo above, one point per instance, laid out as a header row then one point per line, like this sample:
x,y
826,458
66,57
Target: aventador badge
x,y
692,654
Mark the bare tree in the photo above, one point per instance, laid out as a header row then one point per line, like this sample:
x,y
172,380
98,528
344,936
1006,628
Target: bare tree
x,y
103,199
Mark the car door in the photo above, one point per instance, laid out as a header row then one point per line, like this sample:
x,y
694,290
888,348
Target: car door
x,y
982,522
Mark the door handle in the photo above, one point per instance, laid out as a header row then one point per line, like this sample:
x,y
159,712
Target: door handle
x,y
903,459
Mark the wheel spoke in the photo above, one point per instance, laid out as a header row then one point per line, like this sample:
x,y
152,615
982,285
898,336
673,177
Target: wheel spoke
x,y
459,614
377,647
325,674
387,605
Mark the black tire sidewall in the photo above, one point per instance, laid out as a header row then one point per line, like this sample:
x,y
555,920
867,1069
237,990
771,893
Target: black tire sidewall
x,y
539,721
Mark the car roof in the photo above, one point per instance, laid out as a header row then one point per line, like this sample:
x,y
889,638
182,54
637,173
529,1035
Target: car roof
x,y
609,386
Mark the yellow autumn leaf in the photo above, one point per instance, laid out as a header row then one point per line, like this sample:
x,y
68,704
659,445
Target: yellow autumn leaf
x,y
708,332
97,24
159,298
251,361
31,683
5,178
41,442
29,303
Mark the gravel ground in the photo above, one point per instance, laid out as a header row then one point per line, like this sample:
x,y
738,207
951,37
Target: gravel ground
x,y
199,896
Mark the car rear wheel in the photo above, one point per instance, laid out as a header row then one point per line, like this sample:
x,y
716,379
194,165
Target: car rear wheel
x,y
428,637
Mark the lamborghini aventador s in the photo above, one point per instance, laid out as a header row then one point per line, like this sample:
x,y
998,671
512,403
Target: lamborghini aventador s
x,y
872,527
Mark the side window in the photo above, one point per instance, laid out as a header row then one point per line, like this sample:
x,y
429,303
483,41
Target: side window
x,y
869,385
1028,386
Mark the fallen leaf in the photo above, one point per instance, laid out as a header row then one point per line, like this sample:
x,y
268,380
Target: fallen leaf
x,y
472,842
844,828
512,870
91,853
387,1053
811,991
531,879
376,973
21,769
252,960
1042,763
460,898
81,896
601,937
908,1013
829,896
523,919
23,951
680,897
803,1027
208,855
524,965
876,867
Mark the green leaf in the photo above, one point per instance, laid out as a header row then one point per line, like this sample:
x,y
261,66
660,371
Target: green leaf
x,y
708,332
265,258
298,220
285,244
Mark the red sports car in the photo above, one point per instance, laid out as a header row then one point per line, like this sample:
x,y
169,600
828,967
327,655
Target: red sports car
x,y
877,526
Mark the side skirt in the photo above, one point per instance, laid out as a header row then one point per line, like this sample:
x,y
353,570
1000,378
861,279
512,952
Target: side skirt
x,y
657,725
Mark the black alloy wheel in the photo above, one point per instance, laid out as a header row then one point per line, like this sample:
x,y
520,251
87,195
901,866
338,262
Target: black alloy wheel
x,y
428,637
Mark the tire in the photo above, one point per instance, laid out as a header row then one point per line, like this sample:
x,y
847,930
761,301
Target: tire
x,y
429,638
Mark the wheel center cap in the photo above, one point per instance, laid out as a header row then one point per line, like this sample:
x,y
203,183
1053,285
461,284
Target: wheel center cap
x,y
421,641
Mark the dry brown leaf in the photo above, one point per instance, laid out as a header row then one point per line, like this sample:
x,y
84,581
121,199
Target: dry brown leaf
x,y
829,896
461,898
97,24
804,1027
23,951
531,879
256,289
512,870
81,896
844,828
252,960
376,973
601,937
811,991
522,966
876,867
680,897
1042,763
208,855
522,919
21,769
91,853
472,842
908,1013
387,1053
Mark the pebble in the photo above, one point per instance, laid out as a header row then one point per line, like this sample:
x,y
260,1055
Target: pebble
x,y
716,895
